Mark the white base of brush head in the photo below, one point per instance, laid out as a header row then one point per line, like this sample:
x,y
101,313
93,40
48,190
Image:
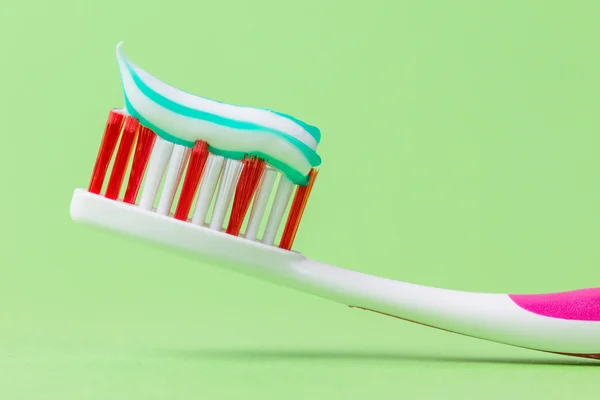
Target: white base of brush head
x,y
495,317
212,245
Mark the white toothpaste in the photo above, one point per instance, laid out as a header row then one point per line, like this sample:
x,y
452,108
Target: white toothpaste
x,y
285,142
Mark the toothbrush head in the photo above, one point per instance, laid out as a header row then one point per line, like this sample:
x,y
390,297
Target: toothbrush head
x,y
195,161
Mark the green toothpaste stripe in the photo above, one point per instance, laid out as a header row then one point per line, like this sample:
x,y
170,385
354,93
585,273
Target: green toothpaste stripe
x,y
293,175
312,157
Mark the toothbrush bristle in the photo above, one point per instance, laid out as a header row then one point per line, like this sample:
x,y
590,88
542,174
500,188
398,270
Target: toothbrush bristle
x,y
177,162
208,184
259,205
229,185
252,171
107,148
159,158
296,211
117,175
194,172
143,148
283,193
224,195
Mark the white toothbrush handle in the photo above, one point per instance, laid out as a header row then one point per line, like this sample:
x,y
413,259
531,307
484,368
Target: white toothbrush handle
x,y
566,323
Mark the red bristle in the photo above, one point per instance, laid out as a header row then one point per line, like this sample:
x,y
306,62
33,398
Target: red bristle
x,y
252,171
196,164
107,148
296,211
293,218
143,148
122,159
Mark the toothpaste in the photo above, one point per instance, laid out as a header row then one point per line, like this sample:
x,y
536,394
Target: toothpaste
x,y
283,141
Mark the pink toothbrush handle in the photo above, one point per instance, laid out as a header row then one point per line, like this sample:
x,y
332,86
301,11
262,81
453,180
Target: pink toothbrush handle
x,y
577,305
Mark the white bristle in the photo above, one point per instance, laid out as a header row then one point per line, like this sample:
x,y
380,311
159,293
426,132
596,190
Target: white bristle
x,y
225,194
282,198
176,167
260,203
210,177
161,154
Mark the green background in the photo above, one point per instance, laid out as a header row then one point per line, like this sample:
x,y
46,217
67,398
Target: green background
x,y
460,147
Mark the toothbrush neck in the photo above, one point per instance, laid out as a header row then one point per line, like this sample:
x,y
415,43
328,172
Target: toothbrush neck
x,y
357,289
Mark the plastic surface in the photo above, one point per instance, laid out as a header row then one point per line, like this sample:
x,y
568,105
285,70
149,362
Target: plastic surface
x,y
159,159
177,163
579,305
260,203
494,317
225,193
280,202
207,188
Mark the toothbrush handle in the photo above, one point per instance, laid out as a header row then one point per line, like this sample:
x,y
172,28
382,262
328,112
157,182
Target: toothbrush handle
x,y
564,323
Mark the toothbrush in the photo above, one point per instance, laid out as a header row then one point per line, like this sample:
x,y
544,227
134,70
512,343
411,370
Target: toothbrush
x,y
232,176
